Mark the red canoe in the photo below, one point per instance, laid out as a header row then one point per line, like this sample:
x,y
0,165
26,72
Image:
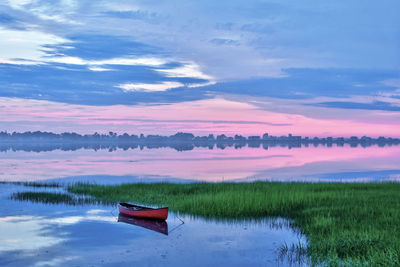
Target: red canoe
x,y
143,212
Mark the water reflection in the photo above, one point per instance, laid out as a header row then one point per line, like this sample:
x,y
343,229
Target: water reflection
x,y
154,225
33,234
35,146
46,141
245,164
24,233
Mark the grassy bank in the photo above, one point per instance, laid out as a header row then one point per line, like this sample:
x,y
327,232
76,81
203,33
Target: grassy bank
x,y
346,224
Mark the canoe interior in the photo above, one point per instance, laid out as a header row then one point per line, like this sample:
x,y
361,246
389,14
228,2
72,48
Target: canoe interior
x,y
137,207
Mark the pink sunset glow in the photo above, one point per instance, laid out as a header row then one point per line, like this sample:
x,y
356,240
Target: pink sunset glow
x,y
215,115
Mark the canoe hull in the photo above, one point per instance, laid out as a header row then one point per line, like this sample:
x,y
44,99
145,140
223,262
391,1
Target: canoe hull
x,y
148,213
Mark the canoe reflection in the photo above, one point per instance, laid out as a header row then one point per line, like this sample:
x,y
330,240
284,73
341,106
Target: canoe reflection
x,y
154,225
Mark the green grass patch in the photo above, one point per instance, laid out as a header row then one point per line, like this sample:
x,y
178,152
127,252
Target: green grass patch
x,y
346,224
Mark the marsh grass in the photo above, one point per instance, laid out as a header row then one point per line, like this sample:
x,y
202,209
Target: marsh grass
x,y
41,185
34,184
51,198
345,224
294,254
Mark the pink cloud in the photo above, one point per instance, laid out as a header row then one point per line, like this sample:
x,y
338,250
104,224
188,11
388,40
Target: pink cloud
x,y
216,115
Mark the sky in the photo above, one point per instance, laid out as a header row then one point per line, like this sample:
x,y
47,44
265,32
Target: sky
x,y
316,68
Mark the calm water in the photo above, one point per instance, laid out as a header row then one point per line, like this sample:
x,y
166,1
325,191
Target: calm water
x,y
61,235
203,164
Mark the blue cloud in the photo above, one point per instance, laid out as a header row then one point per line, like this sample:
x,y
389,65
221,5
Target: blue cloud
x,y
137,15
309,83
377,105
78,85
222,41
11,22
95,46
305,41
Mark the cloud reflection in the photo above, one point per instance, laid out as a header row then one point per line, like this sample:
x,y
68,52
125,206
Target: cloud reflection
x,y
25,233
311,164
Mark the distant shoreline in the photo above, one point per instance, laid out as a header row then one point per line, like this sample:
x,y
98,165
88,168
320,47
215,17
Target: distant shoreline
x,y
47,141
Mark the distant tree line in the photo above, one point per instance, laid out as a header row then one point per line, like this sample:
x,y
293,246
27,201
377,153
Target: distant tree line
x,y
47,141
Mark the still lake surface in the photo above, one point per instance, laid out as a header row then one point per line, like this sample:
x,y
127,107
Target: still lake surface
x,y
34,234
346,164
